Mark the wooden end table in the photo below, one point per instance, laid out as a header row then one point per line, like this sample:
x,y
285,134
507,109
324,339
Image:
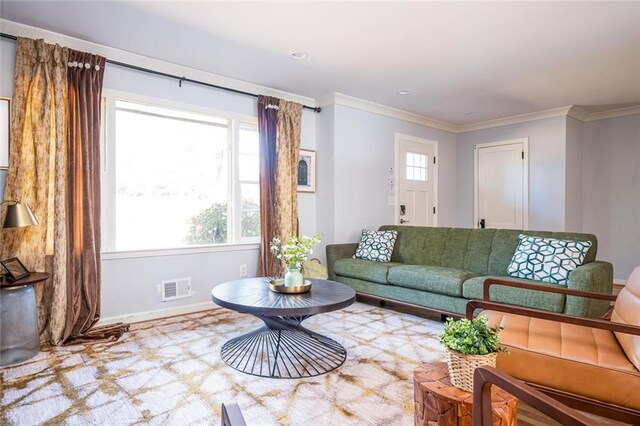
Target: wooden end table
x,y
19,336
438,402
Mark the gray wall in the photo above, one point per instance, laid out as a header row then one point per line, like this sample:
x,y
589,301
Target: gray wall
x,y
325,156
546,170
573,169
364,145
611,189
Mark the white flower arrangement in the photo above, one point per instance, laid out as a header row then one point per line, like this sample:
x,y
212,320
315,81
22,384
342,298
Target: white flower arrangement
x,y
295,250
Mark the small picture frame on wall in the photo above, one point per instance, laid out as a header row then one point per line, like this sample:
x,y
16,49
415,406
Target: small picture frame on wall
x,y
15,269
307,171
5,114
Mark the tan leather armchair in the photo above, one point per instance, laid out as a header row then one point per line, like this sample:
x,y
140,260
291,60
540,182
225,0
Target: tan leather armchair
x,y
589,364
484,378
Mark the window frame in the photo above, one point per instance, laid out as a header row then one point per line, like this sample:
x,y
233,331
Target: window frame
x,y
108,177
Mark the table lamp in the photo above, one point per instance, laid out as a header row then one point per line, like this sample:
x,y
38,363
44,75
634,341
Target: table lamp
x,y
18,215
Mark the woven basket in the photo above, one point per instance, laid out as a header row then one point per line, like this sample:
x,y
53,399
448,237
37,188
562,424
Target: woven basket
x,y
461,367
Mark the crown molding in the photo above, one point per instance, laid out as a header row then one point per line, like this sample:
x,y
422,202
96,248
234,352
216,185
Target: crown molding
x,y
565,111
515,119
578,113
364,105
614,113
22,30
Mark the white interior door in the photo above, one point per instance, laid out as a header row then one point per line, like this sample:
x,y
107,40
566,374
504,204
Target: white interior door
x,y
416,172
501,190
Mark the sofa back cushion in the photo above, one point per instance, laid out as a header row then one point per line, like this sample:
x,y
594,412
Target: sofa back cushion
x,y
627,310
418,245
483,251
479,250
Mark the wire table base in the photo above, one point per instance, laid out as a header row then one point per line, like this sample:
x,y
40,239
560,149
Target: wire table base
x,y
283,349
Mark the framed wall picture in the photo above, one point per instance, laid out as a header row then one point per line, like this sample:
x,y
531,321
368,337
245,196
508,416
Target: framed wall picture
x,y
307,171
5,112
15,269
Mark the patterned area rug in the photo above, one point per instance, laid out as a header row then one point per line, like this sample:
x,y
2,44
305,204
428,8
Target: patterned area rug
x,y
169,372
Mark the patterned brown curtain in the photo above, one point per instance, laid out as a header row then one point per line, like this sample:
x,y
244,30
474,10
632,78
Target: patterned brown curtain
x,y
279,128
37,174
287,149
84,78
54,168
267,129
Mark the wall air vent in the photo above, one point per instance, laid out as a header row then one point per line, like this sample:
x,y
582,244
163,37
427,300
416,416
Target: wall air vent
x,y
177,288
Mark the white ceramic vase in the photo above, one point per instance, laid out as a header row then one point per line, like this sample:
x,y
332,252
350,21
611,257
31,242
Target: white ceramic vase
x,y
293,278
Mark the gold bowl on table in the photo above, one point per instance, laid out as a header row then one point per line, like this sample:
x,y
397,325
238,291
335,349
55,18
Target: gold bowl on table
x,y
277,286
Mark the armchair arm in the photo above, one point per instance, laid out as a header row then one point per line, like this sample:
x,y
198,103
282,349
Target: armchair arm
x,y
551,316
580,305
231,415
483,379
338,251
595,277
486,295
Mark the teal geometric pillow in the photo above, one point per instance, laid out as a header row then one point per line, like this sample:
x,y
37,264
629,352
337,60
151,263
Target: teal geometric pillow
x,y
547,259
376,245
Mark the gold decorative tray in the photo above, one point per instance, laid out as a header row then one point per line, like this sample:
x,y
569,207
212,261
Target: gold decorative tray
x,y
278,286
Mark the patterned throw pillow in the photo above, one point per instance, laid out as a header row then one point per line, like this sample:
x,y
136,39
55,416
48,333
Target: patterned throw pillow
x,y
376,245
547,259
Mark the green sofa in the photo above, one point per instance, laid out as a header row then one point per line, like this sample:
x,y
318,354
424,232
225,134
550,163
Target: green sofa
x,y
442,268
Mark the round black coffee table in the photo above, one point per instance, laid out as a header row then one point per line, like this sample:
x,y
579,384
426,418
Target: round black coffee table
x,y
282,347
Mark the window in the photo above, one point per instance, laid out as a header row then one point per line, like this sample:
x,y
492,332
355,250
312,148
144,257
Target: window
x,y
179,178
416,166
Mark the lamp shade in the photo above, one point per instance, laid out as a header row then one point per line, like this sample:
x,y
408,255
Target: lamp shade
x,y
19,215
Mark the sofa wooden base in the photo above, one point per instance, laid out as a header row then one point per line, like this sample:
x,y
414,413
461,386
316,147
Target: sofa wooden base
x,y
410,308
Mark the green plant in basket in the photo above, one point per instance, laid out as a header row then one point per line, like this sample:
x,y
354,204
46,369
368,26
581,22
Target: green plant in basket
x,y
472,337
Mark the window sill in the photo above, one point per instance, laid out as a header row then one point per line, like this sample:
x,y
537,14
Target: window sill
x,y
183,251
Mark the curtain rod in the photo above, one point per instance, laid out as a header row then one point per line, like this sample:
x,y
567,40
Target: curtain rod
x,y
176,77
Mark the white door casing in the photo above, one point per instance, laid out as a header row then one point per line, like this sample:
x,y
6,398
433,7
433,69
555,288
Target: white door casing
x,y
416,171
501,184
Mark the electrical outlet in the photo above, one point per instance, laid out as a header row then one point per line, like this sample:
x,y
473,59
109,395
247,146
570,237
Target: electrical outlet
x,y
243,270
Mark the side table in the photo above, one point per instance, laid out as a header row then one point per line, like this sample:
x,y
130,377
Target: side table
x,y
19,337
438,402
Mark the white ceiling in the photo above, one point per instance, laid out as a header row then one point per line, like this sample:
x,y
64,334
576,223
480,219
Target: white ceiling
x,y
489,59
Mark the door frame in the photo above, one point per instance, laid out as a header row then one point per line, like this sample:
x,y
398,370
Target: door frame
x,y
525,183
402,136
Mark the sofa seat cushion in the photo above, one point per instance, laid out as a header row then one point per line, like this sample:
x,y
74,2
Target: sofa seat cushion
x,y
363,269
580,360
434,279
473,289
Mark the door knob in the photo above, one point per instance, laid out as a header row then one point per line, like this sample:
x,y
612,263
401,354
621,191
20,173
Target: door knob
x,y
482,223
404,221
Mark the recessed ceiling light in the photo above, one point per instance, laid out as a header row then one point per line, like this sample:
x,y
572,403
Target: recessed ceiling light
x,y
404,91
298,55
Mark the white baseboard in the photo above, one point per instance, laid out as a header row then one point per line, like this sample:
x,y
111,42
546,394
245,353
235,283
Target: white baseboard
x,y
158,313
620,282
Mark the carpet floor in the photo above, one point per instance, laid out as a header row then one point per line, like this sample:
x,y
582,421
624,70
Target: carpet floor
x,y
169,372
